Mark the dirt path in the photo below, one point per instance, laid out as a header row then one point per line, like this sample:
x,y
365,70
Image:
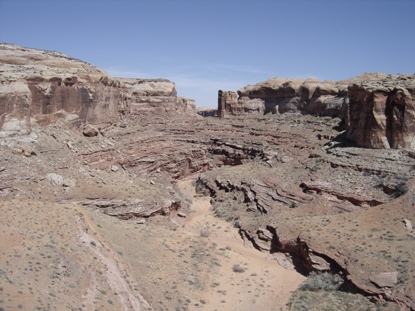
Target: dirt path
x,y
263,283
117,280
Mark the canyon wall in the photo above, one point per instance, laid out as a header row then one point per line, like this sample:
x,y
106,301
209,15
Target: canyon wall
x,y
377,109
41,87
279,95
382,114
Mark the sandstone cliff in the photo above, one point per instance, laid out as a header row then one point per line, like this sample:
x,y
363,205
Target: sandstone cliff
x,y
378,109
39,87
279,95
381,114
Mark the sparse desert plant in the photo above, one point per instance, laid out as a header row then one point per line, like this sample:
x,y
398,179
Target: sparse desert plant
x,y
204,233
237,268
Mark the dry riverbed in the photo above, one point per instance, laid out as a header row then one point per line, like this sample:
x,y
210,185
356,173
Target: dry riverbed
x,y
249,279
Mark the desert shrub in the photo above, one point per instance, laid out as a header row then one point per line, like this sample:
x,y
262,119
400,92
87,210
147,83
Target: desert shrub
x,y
204,233
321,281
237,268
401,189
201,188
218,210
393,186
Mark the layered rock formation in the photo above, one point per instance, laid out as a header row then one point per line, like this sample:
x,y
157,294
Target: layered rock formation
x,y
278,178
378,109
39,87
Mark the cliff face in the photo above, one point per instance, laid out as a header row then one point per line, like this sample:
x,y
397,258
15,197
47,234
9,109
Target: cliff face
x,y
378,109
382,114
280,95
42,86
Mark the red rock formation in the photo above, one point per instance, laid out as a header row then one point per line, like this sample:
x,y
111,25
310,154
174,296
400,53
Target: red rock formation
x,y
42,86
228,104
378,109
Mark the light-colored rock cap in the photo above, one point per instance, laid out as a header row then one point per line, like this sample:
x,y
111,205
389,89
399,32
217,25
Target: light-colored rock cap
x,y
18,63
275,83
149,87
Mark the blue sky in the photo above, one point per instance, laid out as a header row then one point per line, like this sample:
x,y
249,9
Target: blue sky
x,y
204,46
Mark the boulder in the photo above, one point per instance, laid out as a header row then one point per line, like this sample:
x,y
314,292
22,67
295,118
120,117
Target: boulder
x,y
54,179
68,183
114,168
90,131
408,224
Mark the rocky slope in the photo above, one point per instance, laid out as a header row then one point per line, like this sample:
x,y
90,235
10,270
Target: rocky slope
x,y
294,187
378,109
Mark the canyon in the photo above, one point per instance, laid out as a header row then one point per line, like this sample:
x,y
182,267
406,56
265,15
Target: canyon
x,y
118,194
